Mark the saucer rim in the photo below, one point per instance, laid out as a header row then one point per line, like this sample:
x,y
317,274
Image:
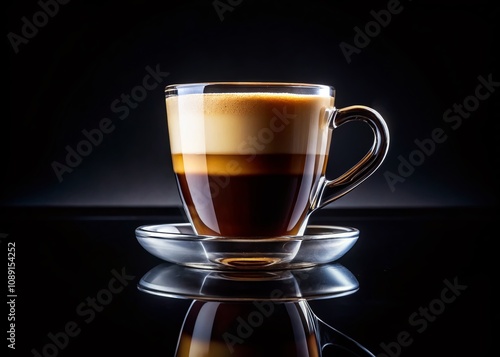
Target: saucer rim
x,y
331,232
204,252
306,297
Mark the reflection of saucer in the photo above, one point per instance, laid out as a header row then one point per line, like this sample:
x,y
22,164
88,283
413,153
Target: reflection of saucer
x,y
324,281
177,243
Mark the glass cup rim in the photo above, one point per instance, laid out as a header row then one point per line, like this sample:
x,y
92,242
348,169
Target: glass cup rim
x,y
249,87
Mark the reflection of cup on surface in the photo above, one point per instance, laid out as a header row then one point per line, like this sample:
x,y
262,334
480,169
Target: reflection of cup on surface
x,y
319,282
247,329
250,158
255,313
260,328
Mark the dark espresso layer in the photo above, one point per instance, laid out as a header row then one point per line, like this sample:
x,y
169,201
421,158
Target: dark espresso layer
x,y
238,195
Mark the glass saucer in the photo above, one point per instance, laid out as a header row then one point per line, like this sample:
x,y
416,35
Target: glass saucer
x,y
319,282
177,243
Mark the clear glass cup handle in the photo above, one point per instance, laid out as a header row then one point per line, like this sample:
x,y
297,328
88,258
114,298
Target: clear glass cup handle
x,y
338,343
330,190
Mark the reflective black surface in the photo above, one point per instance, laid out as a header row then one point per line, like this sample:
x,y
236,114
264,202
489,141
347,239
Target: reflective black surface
x,y
425,283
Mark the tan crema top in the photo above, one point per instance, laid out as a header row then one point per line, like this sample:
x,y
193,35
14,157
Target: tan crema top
x,y
248,123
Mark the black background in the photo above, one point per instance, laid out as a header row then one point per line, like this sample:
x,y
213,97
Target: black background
x,y
64,80
436,224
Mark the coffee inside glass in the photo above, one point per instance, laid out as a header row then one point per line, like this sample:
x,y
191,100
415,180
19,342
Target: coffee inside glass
x,y
250,158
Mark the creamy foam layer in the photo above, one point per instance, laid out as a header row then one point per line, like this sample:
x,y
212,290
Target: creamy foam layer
x,y
248,123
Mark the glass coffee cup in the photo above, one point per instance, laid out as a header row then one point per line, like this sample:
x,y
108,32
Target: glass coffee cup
x,y
250,157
